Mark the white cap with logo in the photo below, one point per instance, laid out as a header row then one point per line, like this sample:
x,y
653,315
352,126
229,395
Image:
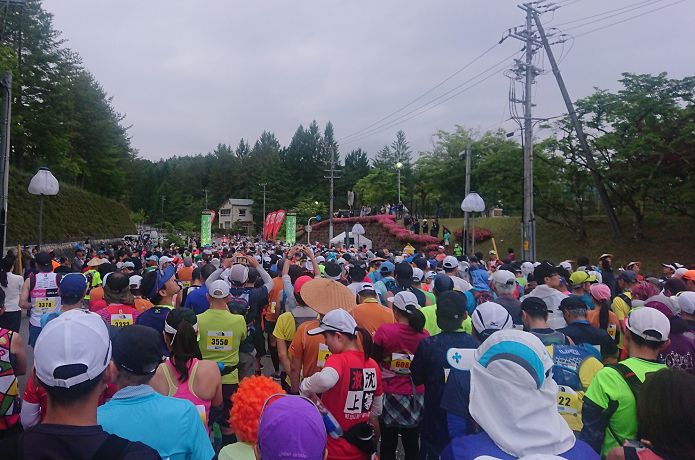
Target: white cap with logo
x,y
219,289
450,262
405,301
337,320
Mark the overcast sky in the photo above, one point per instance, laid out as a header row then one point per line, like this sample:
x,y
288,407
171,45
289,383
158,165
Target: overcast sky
x,y
192,74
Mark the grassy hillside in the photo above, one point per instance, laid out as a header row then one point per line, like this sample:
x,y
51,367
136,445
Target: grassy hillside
x,y
71,215
667,239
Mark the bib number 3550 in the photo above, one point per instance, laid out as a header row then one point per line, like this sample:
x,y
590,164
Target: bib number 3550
x,y
219,340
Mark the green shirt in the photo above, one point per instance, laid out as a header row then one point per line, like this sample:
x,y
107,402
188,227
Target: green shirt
x,y
608,385
431,326
237,451
221,332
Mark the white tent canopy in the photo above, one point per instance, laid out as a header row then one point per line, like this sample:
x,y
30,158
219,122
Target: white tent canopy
x,y
356,240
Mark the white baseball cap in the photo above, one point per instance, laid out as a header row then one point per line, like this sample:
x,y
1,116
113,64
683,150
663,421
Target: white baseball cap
x,y
239,274
491,316
337,320
686,301
503,277
417,275
72,349
219,289
165,259
135,281
450,262
649,323
405,301
365,287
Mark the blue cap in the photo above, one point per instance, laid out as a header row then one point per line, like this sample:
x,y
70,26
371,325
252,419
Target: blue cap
x,y
152,258
72,288
387,267
443,283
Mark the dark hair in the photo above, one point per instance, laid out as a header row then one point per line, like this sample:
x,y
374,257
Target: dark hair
x,y
664,412
416,320
294,272
5,268
147,285
640,342
195,274
367,342
583,261
206,271
67,396
603,314
184,348
357,273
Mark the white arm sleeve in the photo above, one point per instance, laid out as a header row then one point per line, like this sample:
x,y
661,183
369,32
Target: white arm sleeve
x,y
377,405
30,415
213,277
267,280
319,382
290,300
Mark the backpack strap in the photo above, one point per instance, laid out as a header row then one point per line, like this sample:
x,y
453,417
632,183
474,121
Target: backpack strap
x,y
113,448
634,383
625,299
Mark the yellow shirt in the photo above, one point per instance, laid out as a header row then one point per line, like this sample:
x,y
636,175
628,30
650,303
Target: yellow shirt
x,y
221,333
431,326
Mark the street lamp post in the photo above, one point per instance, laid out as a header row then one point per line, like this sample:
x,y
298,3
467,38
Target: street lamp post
x,y
399,165
473,203
43,184
307,229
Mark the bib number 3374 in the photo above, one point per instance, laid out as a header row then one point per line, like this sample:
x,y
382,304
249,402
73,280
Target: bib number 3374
x,y
219,340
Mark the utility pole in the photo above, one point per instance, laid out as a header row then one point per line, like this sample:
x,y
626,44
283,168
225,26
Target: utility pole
x,y
588,154
526,69
468,190
331,176
206,197
263,185
6,85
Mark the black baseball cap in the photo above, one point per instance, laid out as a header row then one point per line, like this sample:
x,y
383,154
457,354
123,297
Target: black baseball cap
x,y
451,310
545,269
137,349
534,304
443,283
572,302
43,259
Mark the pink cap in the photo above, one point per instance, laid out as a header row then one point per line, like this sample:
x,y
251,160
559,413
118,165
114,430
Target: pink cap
x,y
600,292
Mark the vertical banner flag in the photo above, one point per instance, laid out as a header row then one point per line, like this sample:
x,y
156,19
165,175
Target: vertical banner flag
x,y
212,216
266,225
279,218
291,229
205,228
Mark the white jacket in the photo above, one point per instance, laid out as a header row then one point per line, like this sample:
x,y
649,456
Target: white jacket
x,y
552,298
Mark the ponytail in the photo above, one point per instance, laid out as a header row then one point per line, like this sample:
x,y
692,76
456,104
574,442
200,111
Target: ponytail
x,y
184,347
603,314
5,267
366,341
416,320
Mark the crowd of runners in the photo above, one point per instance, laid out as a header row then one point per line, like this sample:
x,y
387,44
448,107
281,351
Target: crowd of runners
x,y
253,349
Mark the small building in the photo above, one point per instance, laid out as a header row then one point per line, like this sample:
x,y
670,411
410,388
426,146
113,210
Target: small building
x,y
235,214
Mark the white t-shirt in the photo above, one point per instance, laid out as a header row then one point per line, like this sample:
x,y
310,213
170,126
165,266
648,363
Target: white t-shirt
x,y
12,292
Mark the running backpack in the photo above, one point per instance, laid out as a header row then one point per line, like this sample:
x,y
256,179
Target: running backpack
x,y
239,303
574,366
482,296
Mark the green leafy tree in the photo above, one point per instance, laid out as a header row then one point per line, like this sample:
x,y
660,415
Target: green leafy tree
x,y
377,188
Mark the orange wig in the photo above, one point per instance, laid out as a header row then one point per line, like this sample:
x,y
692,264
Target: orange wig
x,y
247,403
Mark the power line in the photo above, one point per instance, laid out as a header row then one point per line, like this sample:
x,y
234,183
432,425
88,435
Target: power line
x,y
475,59
494,69
627,7
628,19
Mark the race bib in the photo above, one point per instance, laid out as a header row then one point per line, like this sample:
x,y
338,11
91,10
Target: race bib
x,y
400,363
611,330
272,307
45,305
569,405
121,319
185,284
219,340
324,353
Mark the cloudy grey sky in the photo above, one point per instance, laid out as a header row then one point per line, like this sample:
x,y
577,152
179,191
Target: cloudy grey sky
x,y
191,74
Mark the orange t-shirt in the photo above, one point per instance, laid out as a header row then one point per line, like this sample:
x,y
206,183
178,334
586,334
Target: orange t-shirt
x,y
272,310
311,349
371,315
96,293
142,305
613,323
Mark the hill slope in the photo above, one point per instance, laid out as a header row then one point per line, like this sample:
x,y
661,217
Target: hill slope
x,y
72,215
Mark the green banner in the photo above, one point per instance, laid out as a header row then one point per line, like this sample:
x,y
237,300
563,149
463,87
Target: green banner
x,y
205,228
291,229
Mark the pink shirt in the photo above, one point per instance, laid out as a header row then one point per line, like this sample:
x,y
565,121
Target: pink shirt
x,y
398,343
